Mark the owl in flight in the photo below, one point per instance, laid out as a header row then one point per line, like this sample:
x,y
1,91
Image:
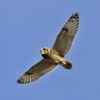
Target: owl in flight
x,y
54,56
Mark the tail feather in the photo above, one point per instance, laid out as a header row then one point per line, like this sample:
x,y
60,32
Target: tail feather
x,y
66,64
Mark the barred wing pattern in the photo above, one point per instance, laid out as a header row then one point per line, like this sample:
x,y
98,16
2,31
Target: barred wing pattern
x,y
65,38
36,71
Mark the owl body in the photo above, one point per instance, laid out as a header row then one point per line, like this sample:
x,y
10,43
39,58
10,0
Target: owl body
x,y
54,57
50,55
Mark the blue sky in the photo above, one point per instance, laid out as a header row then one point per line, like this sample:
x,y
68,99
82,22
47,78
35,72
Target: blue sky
x,y
28,25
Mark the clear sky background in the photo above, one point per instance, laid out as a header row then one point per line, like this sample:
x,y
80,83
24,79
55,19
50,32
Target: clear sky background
x,y
28,25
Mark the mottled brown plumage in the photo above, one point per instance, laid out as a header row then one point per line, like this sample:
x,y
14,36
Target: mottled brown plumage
x,y
53,57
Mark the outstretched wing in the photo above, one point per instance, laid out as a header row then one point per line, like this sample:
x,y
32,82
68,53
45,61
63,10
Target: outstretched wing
x,y
65,38
36,71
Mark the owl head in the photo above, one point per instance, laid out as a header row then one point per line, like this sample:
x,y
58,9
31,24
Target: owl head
x,y
45,50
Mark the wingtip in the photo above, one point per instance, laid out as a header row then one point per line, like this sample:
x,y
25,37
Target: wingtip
x,y
21,81
75,14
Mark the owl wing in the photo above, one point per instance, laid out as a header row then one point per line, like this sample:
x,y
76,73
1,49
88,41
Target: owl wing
x,y
66,36
36,71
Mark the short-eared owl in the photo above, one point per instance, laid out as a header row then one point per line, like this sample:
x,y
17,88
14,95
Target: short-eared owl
x,y
53,57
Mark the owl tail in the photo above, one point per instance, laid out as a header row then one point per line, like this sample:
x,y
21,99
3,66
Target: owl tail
x,y
66,64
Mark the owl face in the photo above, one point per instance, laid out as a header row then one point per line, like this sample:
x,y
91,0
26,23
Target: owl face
x,y
45,50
